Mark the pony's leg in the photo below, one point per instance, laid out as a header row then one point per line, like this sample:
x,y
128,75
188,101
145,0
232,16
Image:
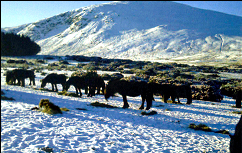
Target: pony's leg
x,y
13,81
30,81
149,100
23,82
63,87
189,97
165,98
91,91
143,102
80,92
34,81
76,90
178,100
173,98
142,105
19,82
86,90
189,100
56,87
52,86
126,105
98,90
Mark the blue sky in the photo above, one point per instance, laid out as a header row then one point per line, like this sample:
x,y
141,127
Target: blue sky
x,y
15,13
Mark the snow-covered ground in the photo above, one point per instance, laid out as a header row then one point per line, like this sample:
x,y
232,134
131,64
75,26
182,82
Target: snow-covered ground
x,y
110,130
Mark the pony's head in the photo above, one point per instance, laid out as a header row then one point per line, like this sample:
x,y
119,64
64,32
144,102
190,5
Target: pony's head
x,y
10,77
43,83
109,90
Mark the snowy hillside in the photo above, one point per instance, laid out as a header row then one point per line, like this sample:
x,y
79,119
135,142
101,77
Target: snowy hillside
x,y
140,30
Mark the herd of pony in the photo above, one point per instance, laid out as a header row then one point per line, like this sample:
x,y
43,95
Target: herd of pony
x,y
91,82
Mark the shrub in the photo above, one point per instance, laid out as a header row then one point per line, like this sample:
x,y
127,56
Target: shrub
x,y
97,104
237,112
202,127
223,132
48,107
68,94
64,109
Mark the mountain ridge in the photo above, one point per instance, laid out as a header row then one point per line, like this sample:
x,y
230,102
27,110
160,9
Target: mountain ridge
x,y
138,30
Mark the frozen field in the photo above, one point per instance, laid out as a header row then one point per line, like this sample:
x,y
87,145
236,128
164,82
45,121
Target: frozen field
x,y
110,130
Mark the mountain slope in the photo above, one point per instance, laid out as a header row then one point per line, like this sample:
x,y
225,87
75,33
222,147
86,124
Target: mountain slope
x,y
139,30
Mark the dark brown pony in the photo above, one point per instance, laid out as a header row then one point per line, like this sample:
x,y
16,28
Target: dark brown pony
x,y
92,82
54,79
129,88
160,89
10,78
100,84
171,91
183,91
236,139
95,83
20,75
78,82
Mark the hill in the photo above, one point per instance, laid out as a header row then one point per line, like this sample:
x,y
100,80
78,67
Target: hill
x,y
142,30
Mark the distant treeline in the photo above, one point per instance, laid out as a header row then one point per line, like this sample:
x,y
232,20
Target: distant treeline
x,y
16,45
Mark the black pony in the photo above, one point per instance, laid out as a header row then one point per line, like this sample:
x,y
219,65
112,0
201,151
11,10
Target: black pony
x,y
90,84
129,88
20,75
171,91
10,78
95,83
236,139
164,90
54,79
91,80
78,82
183,91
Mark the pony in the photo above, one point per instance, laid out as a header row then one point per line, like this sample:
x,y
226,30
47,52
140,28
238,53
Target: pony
x,y
183,91
78,82
95,83
89,81
20,75
129,88
171,91
236,139
54,79
160,89
100,84
10,79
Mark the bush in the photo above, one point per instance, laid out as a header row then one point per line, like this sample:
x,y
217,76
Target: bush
x,y
68,94
48,107
223,132
97,104
202,127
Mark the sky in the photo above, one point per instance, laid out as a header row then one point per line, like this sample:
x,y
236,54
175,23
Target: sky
x,y
15,13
